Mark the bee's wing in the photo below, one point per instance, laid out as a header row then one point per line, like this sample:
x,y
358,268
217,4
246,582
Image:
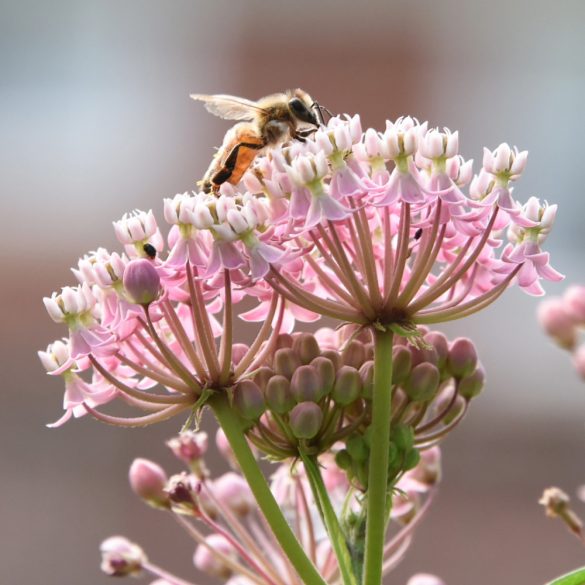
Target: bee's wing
x,y
229,107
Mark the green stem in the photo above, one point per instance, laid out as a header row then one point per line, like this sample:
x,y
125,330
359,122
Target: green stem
x,y
231,425
378,467
329,519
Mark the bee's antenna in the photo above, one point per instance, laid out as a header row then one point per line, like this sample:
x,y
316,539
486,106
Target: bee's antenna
x,y
319,109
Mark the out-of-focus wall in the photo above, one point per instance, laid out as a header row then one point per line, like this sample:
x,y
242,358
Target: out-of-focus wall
x,y
95,120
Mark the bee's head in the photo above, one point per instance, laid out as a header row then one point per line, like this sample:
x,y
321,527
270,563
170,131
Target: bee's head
x,y
300,106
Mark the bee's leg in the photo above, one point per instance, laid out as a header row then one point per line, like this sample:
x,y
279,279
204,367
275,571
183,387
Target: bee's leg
x,y
302,135
231,161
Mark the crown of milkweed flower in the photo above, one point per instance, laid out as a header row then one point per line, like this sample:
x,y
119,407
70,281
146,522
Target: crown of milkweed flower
x,y
137,229
221,516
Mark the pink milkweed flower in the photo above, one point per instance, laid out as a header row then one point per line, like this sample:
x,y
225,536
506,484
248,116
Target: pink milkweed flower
x,y
76,307
121,558
137,229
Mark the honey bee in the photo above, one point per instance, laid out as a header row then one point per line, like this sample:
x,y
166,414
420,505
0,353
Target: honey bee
x,y
270,121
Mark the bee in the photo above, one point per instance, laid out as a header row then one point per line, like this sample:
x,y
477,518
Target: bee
x,y
270,121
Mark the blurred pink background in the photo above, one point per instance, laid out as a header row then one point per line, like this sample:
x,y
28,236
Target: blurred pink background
x,y
95,121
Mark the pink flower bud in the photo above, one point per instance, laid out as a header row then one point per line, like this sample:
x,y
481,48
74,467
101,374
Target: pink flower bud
x,y
189,446
348,386
354,354
233,492
286,361
248,400
441,346
422,383
462,357
205,560
471,386
326,373
278,396
120,557
305,420
306,347
141,281
305,385
401,363
148,481
574,299
557,322
367,376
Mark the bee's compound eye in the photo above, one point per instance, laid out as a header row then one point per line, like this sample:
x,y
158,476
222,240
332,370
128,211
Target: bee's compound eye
x,y
301,111
149,250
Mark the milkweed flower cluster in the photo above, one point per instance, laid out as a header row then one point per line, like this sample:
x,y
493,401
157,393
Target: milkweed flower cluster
x,y
563,318
387,232
221,516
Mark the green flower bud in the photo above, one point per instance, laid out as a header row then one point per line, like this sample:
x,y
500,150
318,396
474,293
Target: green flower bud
x,y
401,363
472,385
411,460
278,396
422,383
357,448
305,385
326,372
402,436
348,386
462,357
284,340
286,361
343,460
248,400
333,356
306,347
305,420
354,354
263,375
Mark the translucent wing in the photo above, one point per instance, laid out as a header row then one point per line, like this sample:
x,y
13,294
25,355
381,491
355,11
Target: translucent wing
x,y
229,107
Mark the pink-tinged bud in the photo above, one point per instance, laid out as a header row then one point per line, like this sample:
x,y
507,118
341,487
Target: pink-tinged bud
x,y
441,346
462,358
422,383
233,492
354,354
401,363
471,386
348,386
278,396
579,361
284,340
574,299
208,562
333,356
141,281
305,420
367,376
326,373
557,322
305,385
148,481
248,400
263,375
306,347
424,354
286,361
189,446
120,557
425,579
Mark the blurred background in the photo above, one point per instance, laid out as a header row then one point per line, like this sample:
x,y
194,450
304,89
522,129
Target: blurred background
x,y
95,120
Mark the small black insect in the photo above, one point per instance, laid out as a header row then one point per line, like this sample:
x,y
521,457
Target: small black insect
x,y
418,234
149,250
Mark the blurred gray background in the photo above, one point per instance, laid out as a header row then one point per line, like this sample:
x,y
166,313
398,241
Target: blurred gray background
x,y
95,120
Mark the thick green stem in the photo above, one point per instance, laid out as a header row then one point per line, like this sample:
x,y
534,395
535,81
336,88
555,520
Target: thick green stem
x,y
378,467
329,519
231,425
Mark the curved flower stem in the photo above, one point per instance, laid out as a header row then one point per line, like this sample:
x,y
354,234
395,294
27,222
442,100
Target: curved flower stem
x,y
329,519
284,535
378,465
